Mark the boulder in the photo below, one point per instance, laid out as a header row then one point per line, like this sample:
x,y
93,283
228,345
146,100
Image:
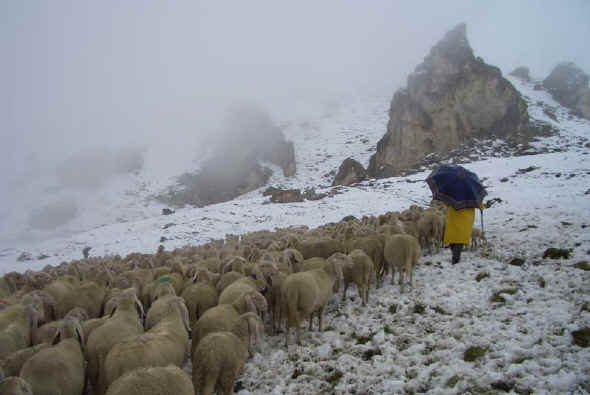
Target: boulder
x,y
568,85
522,72
450,98
350,172
286,196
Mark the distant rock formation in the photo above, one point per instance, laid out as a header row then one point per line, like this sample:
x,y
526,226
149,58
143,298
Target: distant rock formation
x,y
350,172
568,85
249,138
522,72
451,97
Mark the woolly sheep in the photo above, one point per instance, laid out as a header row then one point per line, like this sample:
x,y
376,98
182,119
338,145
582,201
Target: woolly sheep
x,y
17,326
164,344
15,386
430,230
125,322
226,279
401,254
244,284
46,332
12,364
200,296
69,294
318,248
359,271
220,356
224,316
169,380
58,369
372,246
164,294
307,292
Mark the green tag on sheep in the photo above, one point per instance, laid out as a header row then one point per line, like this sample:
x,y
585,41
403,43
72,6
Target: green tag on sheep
x,y
165,280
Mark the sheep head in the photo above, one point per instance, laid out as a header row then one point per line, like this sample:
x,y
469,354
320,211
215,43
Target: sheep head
x,y
164,288
249,327
70,329
251,301
177,306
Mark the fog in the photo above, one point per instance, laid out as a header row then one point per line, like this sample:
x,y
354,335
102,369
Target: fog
x,y
89,79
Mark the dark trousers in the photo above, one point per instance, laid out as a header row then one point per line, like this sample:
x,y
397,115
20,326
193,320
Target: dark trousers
x,y
456,250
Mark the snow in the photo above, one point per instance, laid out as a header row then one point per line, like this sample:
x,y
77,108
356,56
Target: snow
x,y
391,346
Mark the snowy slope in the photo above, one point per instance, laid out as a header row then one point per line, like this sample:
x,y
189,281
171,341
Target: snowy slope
x,y
394,345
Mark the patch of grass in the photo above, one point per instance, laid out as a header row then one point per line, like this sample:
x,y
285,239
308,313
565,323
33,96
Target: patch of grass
x,y
393,309
481,276
474,353
582,265
361,339
516,262
581,337
542,282
297,372
335,377
497,296
452,382
520,360
502,386
387,329
369,354
557,253
440,310
419,308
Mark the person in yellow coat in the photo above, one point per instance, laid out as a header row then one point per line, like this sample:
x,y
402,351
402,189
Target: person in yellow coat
x,y
458,226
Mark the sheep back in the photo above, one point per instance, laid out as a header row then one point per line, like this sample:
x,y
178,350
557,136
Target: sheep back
x,y
153,381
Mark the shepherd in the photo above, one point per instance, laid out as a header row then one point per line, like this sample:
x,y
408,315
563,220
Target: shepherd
x,y
462,192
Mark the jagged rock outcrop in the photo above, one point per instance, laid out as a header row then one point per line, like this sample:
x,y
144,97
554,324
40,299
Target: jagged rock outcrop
x,y
522,72
451,98
350,172
568,84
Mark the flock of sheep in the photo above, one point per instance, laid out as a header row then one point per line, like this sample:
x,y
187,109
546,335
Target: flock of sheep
x,y
124,325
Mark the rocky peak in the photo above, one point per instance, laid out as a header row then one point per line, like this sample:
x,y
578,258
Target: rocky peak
x,y
522,72
451,98
568,84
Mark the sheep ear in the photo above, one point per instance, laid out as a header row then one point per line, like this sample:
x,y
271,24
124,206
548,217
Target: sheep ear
x,y
139,308
56,338
80,336
113,311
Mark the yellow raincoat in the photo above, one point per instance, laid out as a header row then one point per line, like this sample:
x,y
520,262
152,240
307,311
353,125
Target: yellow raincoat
x,y
458,226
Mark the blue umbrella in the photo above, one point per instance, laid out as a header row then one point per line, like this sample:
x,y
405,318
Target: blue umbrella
x,y
456,186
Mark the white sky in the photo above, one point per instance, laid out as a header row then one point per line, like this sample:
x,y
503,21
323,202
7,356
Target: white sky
x,y
77,74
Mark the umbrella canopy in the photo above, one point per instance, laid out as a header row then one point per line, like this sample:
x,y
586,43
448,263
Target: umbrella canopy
x,y
456,186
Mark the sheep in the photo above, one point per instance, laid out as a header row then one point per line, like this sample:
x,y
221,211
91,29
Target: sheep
x,y
164,294
373,247
274,300
18,324
220,356
223,317
170,380
7,287
200,296
164,344
402,253
125,322
476,238
46,333
359,271
226,279
430,226
290,261
68,293
307,292
12,364
312,263
318,248
15,386
244,284
58,369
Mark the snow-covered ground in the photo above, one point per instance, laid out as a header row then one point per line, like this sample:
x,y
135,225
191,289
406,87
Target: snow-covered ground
x,y
412,342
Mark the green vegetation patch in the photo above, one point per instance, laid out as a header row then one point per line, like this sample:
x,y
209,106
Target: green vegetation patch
x,y
557,253
498,298
419,308
516,262
452,382
582,265
481,276
361,339
581,337
474,353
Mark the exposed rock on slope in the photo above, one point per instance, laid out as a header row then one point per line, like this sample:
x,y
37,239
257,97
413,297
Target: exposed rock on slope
x,y
350,172
568,85
249,137
522,72
451,97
